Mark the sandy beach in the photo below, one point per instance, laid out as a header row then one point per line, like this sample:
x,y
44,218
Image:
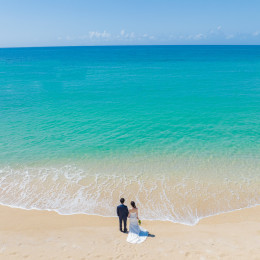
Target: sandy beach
x,y
32,234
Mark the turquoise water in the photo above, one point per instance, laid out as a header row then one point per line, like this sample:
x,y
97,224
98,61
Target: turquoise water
x,y
82,126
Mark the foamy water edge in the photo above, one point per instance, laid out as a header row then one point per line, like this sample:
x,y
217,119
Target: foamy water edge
x,y
163,220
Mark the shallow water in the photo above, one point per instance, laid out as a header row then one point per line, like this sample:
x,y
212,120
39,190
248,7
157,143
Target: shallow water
x,y
175,128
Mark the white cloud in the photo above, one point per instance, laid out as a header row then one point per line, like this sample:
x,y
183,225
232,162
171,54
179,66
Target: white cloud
x,y
99,35
123,35
256,33
199,36
147,36
219,27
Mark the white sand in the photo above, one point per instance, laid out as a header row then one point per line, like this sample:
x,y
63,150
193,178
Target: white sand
x,y
47,235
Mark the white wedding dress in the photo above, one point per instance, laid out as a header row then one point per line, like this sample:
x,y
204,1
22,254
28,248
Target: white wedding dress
x,y
136,233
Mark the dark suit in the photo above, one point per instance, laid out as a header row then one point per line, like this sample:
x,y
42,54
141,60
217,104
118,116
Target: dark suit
x,y
122,213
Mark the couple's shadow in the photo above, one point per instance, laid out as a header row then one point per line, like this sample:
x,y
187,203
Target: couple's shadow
x,y
149,234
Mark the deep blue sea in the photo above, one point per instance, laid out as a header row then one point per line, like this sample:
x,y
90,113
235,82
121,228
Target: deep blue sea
x,y
174,128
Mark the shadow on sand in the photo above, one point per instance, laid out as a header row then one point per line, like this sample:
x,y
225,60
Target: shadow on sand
x,y
149,234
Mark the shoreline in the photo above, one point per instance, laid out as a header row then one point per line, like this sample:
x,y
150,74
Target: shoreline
x,y
178,199
37,234
103,216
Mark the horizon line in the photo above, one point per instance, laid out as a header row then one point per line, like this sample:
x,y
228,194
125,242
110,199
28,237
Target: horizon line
x,y
123,45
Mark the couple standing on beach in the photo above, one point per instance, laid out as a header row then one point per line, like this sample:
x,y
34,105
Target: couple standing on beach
x,y
136,233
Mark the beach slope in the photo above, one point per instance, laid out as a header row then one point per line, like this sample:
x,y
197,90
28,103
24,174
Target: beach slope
x,y
32,234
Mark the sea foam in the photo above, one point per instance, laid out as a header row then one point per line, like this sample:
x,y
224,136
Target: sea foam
x,y
180,198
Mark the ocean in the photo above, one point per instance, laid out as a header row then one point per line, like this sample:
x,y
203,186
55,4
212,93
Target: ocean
x,y
174,128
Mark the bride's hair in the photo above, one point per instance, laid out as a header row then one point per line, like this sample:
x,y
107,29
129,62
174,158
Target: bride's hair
x,y
133,204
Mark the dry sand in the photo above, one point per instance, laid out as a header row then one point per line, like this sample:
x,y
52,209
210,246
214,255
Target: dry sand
x,y
31,234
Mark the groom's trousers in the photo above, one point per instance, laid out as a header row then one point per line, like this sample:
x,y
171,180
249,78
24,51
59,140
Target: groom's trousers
x,y
120,223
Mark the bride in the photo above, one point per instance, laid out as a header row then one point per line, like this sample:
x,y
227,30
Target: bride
x,y
136,233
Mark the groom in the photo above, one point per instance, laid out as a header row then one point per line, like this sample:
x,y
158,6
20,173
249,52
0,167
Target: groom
x,y
122,213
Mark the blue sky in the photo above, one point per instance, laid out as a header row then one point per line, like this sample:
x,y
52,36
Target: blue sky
x,y
125,22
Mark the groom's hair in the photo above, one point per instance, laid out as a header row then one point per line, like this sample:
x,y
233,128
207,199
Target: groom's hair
x,y
122,200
